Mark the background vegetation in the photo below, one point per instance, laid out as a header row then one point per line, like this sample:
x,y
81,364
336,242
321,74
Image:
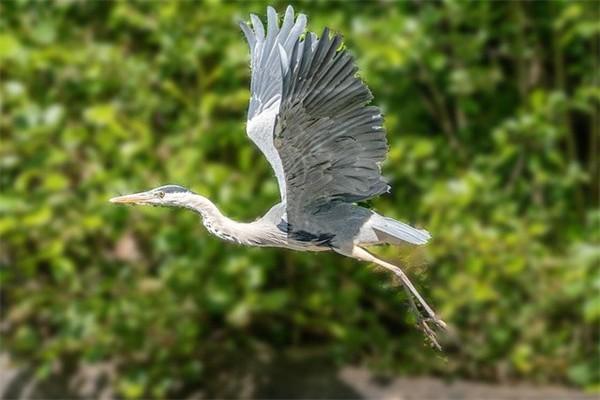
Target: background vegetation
x,y
492,118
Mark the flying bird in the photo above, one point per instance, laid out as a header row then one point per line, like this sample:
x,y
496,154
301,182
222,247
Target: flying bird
x,y
310,116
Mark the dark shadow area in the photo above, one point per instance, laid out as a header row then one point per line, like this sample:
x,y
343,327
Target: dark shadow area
x,y
294,376
297,374
23,385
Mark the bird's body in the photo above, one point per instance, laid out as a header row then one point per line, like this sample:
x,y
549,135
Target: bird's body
x,y
338,228
310,117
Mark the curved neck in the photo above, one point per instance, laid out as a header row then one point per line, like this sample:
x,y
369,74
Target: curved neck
x,y
221,226
203,206
258,233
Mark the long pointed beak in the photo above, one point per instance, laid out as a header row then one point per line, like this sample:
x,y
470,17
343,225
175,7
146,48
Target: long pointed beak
x,y
135,198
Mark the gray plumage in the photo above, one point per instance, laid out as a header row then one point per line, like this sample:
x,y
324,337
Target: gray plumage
x,y
309,115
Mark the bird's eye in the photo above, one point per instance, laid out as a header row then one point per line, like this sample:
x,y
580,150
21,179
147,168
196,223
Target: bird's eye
x,y
161,194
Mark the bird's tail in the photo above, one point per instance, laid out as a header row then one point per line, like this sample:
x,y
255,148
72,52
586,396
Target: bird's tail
x,y
396,232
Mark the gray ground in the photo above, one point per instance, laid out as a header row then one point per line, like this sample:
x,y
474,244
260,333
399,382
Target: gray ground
x,y
290,379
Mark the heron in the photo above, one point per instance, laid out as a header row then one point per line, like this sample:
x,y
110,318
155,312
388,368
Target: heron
x,y
310,115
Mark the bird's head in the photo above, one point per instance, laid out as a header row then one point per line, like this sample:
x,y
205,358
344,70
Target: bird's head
x,y
168,195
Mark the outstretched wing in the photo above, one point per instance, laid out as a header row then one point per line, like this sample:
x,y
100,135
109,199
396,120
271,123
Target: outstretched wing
x,y
266,83
330,142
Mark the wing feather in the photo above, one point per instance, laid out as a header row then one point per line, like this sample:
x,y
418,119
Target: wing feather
x,y
309,115
266,80
330,142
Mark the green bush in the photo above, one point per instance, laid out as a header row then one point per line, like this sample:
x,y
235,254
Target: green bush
x,y
492,118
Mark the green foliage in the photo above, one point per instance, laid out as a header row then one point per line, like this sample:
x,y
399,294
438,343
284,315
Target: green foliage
x,y
492,116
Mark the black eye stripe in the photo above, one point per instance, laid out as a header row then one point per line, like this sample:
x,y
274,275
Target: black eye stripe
x,y
172,189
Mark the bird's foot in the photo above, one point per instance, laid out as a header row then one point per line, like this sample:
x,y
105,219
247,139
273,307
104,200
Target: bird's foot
x,y
429,332
424,321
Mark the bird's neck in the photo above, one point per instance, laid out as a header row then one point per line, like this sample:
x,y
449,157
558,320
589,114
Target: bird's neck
x,y
203,206
220,225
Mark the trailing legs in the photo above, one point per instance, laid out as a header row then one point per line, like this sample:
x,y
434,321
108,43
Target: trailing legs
x,y
411,291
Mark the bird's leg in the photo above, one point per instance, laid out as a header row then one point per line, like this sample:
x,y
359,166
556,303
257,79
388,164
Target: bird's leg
x,y
422,322
411,291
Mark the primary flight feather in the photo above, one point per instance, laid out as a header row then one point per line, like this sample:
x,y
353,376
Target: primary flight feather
x,y
309,115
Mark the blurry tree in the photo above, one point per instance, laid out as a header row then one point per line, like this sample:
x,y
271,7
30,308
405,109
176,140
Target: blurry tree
x,y
492,118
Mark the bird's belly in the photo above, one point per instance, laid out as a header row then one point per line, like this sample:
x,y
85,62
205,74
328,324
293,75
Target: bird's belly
x,y
306,246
